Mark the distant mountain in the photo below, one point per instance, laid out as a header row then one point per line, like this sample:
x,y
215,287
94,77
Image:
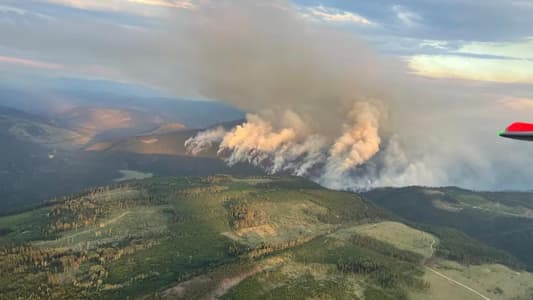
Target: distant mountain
x,y
225,237
29,101
19,114
102,123
168,139
171,143
503,220
167,128
22,126
55,103
46,125
39,159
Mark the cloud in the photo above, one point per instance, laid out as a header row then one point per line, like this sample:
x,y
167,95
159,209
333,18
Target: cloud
x,y
334,15
130,6
13,13
10,9
187,4
472,68
518,50
29,67
30,63
406,16
506,62
494,21
435,44
518,104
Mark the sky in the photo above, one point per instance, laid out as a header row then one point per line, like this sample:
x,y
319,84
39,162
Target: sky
x,y
473,58
472,40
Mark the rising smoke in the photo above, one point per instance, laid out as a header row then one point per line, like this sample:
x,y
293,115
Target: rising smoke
x,y
292,148
321,103
324,105
316,94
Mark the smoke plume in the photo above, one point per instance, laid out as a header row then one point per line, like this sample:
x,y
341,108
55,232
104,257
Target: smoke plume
x,y
291,147
320,102
315,94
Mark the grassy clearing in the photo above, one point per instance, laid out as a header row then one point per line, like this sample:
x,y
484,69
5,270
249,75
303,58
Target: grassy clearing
x,y
399,235
442,289
132,175
252,180
482,203
491,280
134,222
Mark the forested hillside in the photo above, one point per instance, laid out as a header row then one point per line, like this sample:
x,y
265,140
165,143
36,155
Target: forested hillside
x,y
232,238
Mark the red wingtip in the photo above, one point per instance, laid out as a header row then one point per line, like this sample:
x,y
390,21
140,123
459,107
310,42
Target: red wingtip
x,y
520,126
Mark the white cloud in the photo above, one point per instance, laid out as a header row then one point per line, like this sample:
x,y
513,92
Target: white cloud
x,y
518,50
436,44
131,6
10,9
31,63
517,104
472,68
166,3
9,13
406,16
334,15
507,62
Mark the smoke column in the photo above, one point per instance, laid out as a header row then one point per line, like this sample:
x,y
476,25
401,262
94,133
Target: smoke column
x,y
316,109
291,148
321,104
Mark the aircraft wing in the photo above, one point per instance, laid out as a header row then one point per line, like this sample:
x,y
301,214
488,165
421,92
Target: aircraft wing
x,y
518,131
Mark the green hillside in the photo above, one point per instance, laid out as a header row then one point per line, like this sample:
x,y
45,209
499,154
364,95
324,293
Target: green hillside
x,y
136,238
231,238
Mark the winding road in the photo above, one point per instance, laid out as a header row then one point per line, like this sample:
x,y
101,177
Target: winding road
x,y
452,280
458,283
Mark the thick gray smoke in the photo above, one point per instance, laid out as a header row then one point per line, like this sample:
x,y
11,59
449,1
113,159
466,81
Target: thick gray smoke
x,y
308,88
320,102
